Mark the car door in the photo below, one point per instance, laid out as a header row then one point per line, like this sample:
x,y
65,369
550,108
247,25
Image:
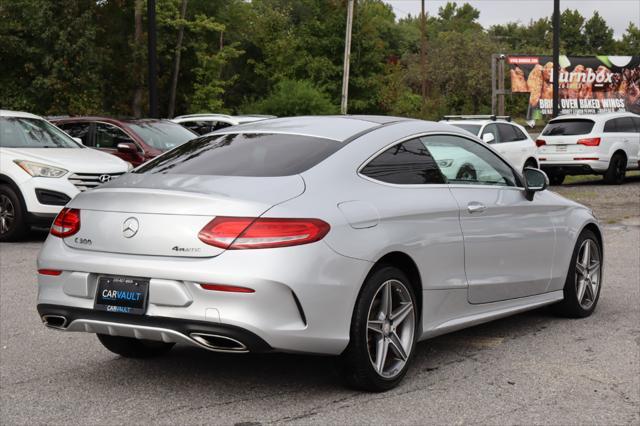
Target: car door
x,y
80,130
107,137
509,147
509,241
627,130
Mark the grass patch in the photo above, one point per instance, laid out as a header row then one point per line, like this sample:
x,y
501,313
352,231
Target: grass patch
x,y
593,178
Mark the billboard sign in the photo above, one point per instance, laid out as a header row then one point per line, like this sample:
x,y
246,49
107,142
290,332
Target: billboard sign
x,y
588,84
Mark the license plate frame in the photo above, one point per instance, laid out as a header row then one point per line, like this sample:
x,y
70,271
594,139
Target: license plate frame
x,y
122,294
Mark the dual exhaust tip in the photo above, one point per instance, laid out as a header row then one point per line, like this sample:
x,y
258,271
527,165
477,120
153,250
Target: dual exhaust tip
x,y
213,342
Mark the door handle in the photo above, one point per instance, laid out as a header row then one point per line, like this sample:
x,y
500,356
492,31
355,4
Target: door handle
x,y
476,207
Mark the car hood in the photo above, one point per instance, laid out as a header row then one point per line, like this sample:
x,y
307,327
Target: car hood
x,y
76,160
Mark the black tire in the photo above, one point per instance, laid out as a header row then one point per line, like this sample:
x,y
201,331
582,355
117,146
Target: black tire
x,y
356,364
129,347
556,178
13,225
615,174
467,172
570,307
530,163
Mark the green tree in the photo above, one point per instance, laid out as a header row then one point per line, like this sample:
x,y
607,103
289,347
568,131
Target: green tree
x,y
598,36
571,23
291,98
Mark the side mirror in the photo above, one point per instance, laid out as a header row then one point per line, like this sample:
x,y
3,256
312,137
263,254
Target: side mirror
x,y
535,180
126,148
488,137
78,140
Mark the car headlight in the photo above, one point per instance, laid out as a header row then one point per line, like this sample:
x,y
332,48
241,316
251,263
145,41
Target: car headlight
x,y
445,163
40,170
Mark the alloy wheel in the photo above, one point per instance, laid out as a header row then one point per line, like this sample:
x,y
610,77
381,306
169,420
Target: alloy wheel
x,y
588,268
391,327
7,214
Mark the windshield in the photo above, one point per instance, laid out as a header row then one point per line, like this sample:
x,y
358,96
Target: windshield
x,y
19,132
162,135
472,128
244,155
568,127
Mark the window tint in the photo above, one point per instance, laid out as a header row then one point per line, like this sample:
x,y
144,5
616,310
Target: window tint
x,y
520,136
636,122
492,129
577,126
463,161
163,135
472,128
611,126
77,130
247,154
18,132
221,125
109,136
507,133
200,127
625,125
407,163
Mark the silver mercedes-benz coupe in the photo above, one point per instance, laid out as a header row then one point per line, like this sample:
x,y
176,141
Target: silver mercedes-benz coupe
x,y
355,236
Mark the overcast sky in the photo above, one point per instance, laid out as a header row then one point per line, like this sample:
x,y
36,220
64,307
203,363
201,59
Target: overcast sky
x,y
617,13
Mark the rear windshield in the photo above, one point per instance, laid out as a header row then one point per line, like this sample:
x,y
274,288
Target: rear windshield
x,y
472,128
568,127
244,154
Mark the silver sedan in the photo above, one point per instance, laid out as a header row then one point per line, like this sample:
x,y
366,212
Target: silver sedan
x,y
355,236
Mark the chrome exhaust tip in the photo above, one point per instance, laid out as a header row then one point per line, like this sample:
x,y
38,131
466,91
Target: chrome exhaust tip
x,y
55,321
219,343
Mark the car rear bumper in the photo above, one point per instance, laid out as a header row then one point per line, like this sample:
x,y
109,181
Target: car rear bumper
x,y
574,167
303,299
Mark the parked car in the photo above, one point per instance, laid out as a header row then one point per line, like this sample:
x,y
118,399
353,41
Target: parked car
x,y
508,138
134,141
326,235
41,170
605,144
207,123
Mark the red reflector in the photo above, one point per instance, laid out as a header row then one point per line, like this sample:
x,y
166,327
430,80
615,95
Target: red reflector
x,y
66,223
227,288
540,142
589,142
585,159
542,158
53,272
250,233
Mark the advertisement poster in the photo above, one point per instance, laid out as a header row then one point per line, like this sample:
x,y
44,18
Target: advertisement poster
x,y
588,84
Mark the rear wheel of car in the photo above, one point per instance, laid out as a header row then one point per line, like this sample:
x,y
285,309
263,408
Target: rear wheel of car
x,y
129,347
617,169
13,225
383,332
556,178
584,279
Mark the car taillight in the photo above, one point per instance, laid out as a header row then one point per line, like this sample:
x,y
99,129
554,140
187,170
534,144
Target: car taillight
x,y
227,288
52,272
237,233
66,223
540,142
589,142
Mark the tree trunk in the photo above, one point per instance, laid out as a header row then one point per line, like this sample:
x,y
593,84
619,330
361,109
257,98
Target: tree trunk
x,y
138,66
176,67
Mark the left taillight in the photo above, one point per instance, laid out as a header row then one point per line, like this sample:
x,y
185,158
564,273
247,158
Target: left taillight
x,y
589,142
66,223
238,233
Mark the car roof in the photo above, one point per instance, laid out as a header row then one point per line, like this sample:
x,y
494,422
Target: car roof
x,y
336,127
595,117
108,119
20,114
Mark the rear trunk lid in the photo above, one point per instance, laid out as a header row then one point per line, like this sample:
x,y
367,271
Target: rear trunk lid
x,y
162,214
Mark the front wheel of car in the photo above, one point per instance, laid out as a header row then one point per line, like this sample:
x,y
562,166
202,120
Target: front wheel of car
x,y
617,169
584,279
13,225
383,332
129,347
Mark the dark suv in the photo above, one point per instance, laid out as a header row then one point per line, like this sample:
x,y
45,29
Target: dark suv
x,y
135,141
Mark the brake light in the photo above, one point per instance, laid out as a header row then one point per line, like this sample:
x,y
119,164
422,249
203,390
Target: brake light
x,y
227,288
52,272
237,233
589,142
540,142
66,223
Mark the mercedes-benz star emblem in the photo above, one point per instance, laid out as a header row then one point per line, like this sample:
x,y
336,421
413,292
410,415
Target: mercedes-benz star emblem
x,y
130,227
104,178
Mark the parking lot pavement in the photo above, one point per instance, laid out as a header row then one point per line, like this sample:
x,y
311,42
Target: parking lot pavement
x,y
529,369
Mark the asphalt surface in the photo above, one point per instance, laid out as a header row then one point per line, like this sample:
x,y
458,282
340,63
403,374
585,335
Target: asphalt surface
x,y
532,368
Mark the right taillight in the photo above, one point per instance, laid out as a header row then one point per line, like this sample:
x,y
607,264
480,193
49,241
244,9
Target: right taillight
x,y
540,142
238,233
66,223
589,142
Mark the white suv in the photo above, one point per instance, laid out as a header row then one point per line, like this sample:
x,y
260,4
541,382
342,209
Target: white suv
x,y
41,169
605,144
509,139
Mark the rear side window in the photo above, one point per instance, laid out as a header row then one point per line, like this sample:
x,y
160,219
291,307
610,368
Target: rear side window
x,y
246,154
507,133
520,136
611,126
77,130
626,125
568,127
636,122
471,128
407,163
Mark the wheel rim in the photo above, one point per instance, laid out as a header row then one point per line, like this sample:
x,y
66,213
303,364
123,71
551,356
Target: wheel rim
x,y
588,268
7,214
390,328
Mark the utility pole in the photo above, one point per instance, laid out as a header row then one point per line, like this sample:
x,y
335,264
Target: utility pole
x,y
556,57
423,56
347,59
153,59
